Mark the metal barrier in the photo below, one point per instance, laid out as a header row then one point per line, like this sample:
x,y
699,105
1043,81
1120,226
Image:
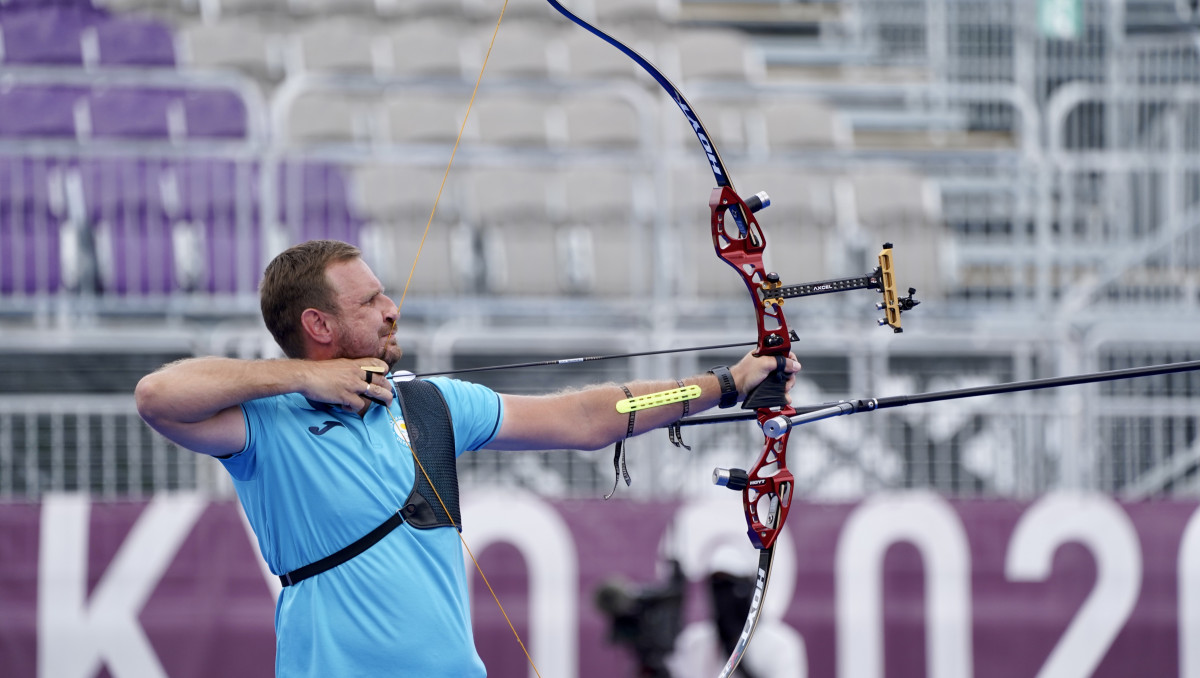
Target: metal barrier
x,y
95,444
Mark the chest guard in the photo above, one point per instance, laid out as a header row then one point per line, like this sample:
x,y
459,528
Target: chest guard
x,y
431,437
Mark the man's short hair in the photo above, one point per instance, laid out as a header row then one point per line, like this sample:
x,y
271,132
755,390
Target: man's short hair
x,y
294,281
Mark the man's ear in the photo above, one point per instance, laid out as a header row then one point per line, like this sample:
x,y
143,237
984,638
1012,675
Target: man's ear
x,y
317,325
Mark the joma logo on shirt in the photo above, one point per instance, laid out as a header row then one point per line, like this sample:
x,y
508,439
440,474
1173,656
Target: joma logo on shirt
x,y
324,429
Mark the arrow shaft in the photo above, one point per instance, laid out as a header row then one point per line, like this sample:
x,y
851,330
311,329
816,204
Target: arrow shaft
x,y
586,359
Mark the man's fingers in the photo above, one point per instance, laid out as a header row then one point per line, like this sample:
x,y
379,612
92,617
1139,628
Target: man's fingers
x,y
378,394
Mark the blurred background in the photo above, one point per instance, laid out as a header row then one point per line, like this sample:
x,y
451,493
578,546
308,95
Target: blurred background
x,y
1034,163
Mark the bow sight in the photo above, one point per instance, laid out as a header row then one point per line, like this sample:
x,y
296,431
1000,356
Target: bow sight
x,y
882,279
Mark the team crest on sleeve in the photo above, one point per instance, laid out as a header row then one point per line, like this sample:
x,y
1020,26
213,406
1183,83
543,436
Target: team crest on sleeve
x,y
401,431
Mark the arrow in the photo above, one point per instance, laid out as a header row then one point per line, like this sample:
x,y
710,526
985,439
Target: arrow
x,y
590,358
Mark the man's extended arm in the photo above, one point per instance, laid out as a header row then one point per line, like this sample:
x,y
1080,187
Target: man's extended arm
x,y
588,420
195,402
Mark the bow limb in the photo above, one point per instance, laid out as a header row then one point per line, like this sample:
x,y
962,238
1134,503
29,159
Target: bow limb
x,y
767,492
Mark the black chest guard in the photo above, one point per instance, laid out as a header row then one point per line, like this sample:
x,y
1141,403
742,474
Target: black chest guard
x,y
431,437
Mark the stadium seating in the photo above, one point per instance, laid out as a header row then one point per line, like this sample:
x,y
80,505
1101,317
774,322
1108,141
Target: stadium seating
x,y
80,35
609,12
127,41
46,35
396,201
513,120
580,55
344,45
330,118
40,111
799,125
427,47
316,202
431,118
896,204
606,243
214,114
711,55
241,46
519,50
29,262
128,113
604,123
203,204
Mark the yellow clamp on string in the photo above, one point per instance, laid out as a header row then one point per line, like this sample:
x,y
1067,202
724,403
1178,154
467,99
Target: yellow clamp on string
x,y
645,402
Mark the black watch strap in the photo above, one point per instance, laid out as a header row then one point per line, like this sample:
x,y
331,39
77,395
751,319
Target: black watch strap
x,y
729,392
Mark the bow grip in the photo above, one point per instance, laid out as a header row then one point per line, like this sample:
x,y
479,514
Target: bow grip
x,y
772,392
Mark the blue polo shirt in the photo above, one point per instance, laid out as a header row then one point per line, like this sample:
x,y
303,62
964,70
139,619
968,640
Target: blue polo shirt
x,y
313,479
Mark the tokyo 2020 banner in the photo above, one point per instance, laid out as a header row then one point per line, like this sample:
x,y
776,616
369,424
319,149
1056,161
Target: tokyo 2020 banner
x,y
899,585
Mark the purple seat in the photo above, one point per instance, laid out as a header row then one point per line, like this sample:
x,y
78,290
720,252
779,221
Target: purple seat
x,y
132,231
20,186
213,189
214,114
316,204
29,238
113,187
39,111
29,255
219,194
225,247
133,209
46,34
134,41
128,197
141,257
129,113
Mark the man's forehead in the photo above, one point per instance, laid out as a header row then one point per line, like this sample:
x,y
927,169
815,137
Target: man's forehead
x,y
352,277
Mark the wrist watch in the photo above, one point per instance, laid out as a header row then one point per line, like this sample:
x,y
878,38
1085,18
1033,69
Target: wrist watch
x,y
729,392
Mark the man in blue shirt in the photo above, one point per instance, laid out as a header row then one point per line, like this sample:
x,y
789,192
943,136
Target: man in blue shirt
x,y
320,456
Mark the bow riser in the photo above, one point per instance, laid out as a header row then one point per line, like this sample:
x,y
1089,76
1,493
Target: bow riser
x,y
769,481
743,251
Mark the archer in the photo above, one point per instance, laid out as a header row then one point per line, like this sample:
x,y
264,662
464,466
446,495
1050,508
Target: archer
x,y
348,477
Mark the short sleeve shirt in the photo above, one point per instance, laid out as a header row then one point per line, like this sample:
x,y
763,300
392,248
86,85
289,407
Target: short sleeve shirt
x,y
313,479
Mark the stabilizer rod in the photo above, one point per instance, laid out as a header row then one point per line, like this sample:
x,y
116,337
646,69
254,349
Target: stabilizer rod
x,y
777,425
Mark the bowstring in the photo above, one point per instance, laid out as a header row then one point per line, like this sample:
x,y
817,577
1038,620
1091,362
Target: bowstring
x,y
392,334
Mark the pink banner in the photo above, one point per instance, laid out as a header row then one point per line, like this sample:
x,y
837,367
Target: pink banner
x,y
902,585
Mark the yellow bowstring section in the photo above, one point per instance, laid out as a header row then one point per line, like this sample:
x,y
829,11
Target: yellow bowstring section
x,y
404,293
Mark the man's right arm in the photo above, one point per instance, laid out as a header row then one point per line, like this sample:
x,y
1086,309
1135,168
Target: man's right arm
x,y
195,402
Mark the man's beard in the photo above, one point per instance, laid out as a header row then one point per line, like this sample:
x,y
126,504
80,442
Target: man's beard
x,y
390,346
382,353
